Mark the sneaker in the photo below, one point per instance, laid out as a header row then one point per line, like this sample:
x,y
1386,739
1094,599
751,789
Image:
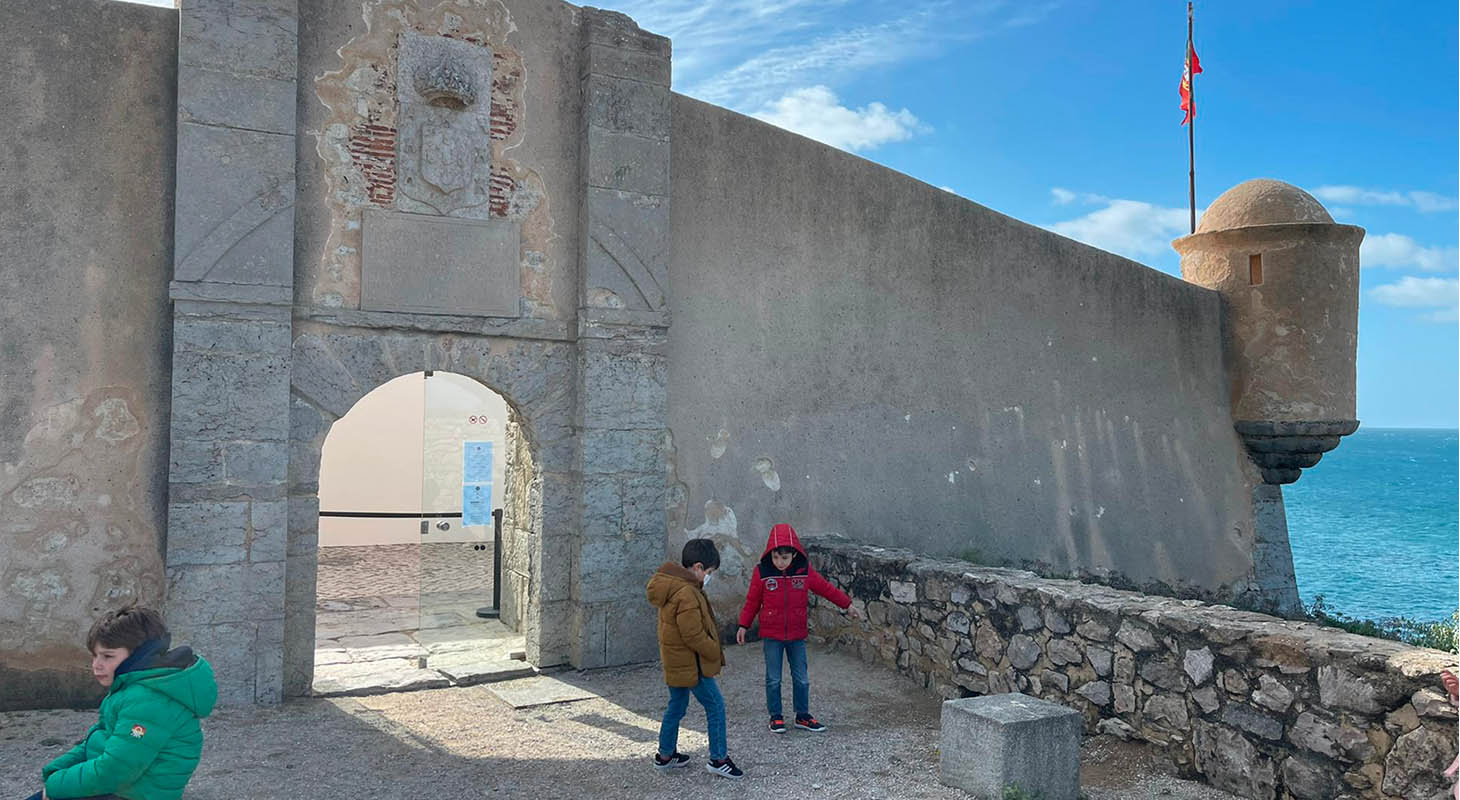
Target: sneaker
x,y
810,724
725,768
677,760
778,725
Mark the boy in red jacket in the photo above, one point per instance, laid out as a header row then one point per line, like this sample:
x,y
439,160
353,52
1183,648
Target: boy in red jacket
x,y
778,593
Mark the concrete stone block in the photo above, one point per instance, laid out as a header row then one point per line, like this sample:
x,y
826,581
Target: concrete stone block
x,y
231,397
632,636
994,742
439,265
555,559
250,37
235,206
234,100
615,29
207,533
615,569
230,650
626,162
375,677
627,106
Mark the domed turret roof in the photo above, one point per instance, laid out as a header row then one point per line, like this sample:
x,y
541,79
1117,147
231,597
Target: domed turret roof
x,y
1262,201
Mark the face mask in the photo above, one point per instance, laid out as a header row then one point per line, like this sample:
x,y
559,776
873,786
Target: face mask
x,y
704,584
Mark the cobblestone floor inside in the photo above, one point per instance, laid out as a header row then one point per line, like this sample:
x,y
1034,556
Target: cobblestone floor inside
x,y
394,617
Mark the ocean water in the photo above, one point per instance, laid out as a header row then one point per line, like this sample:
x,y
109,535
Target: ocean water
x,y
1375,527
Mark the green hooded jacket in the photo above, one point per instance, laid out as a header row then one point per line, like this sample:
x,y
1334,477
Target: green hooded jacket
x,y
148,741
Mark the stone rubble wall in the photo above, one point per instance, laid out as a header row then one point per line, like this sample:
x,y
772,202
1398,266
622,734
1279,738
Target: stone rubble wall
x,y
1253,704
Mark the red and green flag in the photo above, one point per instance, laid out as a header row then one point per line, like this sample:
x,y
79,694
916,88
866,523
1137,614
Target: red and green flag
x,y
1193,66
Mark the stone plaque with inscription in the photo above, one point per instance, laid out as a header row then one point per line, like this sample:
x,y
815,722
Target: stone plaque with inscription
x,y
439,265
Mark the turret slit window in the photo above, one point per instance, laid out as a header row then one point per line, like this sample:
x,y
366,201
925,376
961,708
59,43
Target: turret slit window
x,y
1254,269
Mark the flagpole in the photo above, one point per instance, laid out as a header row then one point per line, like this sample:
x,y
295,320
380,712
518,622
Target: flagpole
x,y
1191,126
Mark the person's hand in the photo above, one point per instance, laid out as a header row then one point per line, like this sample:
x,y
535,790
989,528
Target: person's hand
x,y
740,635
853,612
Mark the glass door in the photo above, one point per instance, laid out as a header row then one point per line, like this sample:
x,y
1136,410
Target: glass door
x,y
462,431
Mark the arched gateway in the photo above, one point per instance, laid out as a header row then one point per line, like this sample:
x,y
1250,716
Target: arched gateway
x,y
439,226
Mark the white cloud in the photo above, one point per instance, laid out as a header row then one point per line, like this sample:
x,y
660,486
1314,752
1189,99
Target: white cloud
x,y
1414,292
1130,228
746,54
1398,250
1425,202
816,113
1062,196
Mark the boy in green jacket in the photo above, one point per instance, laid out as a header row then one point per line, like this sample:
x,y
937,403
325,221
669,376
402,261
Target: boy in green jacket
x,y
148,741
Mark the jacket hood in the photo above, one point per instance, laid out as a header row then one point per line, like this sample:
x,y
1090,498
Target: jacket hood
x,y
178,674
669,579
782,535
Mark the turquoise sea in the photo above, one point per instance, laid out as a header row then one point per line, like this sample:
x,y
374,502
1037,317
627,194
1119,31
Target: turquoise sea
x,y
1375,527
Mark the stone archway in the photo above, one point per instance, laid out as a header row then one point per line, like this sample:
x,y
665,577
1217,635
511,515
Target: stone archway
x,y
333,368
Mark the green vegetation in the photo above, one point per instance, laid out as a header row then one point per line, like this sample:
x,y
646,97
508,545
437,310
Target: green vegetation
x,y
973,556
1014,792
1440,634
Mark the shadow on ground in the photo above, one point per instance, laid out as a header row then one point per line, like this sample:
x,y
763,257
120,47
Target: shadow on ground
x,y
467,743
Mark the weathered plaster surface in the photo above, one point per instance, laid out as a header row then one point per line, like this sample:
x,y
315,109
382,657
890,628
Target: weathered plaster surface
x,y
85,253
348,111
853,350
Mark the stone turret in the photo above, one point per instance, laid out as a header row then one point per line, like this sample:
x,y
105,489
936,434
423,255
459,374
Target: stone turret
x,y
1289,278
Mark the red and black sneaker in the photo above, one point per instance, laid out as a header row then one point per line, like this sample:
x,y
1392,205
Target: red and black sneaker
x,y
810,724
778,725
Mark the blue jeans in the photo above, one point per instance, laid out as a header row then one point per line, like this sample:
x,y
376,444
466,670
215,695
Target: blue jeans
x,y
708,693
800,681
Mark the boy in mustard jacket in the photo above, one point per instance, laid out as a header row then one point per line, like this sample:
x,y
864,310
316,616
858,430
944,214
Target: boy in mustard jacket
x,y
689,647
148,740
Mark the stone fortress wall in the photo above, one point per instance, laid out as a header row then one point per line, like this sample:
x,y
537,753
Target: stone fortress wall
x,y
701,325
1259,706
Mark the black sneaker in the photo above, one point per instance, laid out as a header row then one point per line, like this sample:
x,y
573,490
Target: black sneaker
x,y
810,724
725,768
677,760
778,725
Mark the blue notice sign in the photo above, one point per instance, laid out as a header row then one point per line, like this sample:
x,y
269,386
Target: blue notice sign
x,y
476,483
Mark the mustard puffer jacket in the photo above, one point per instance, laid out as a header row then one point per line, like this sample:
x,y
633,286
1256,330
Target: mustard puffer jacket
x,y
689,638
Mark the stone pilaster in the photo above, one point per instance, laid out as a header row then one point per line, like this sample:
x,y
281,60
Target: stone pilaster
x,y
622,326
232,290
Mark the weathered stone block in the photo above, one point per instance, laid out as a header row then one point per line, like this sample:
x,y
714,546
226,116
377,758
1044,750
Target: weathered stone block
x,y
230,99
627,163
235,207
1198,665
614,451
207,595
255,463
1232,763
628,247
207,533
601,59
270,538
994,742
1024,652
439,265
624,391
250,37
230,396
627,106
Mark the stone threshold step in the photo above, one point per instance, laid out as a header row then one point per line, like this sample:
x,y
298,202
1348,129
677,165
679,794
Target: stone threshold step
x,y
356,679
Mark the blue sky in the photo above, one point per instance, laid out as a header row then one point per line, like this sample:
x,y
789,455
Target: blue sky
x,y
1066,114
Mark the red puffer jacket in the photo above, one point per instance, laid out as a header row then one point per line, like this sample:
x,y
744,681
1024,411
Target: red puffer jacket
x,y
780,597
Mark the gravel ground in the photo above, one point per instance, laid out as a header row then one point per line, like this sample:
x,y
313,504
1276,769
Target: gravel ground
x,y
466,743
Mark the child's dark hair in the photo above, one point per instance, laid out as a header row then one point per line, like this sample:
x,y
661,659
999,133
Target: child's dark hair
x,y
128,627
786,550
701,551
